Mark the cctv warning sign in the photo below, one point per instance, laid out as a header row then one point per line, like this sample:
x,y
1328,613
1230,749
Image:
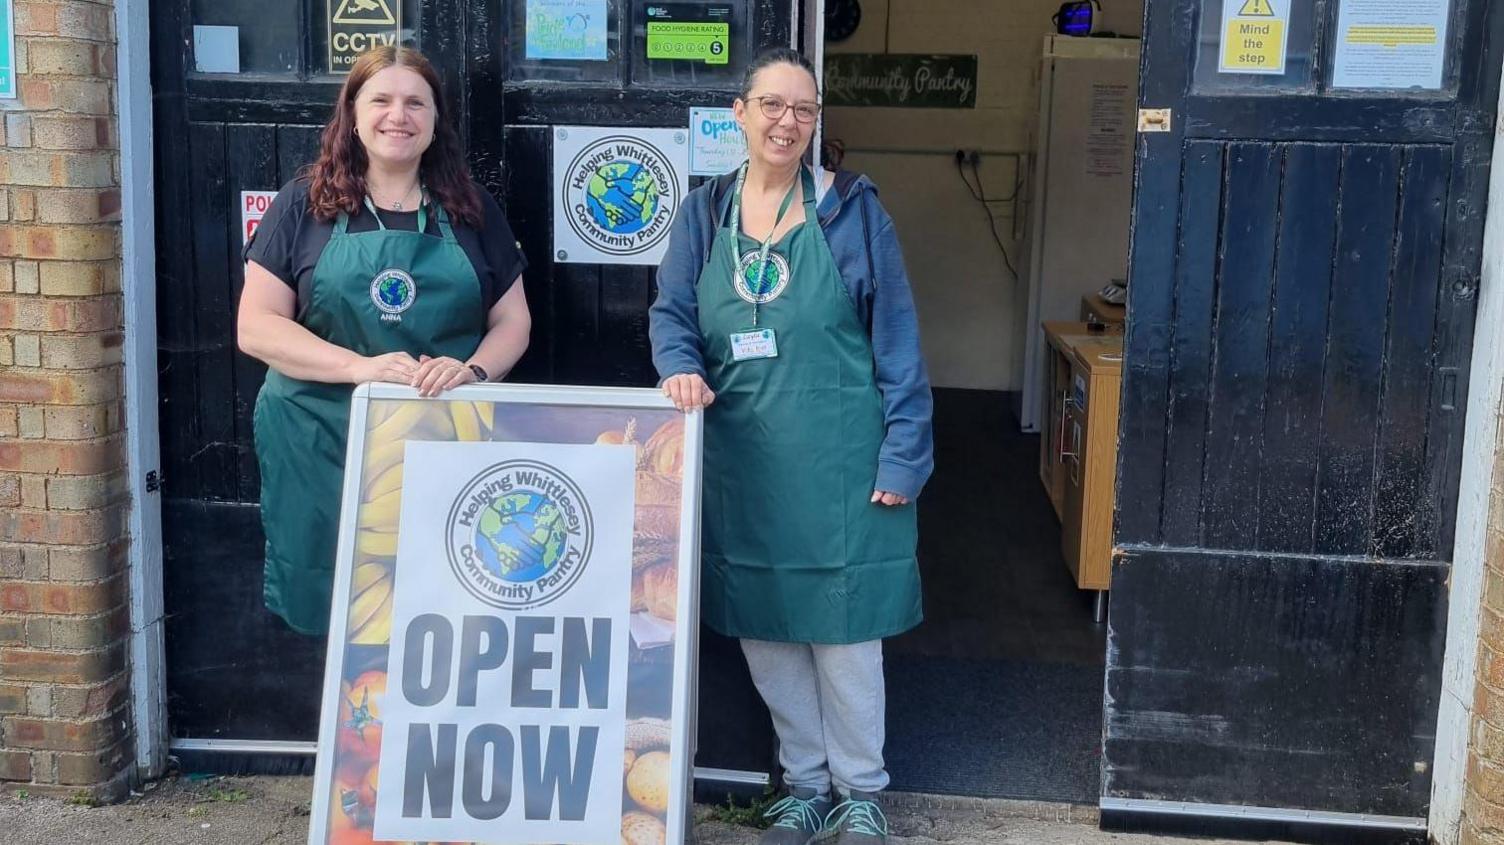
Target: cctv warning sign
x,y
356,26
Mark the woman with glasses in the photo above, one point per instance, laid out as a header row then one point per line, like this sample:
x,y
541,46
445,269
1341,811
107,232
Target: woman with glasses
x,y
784,312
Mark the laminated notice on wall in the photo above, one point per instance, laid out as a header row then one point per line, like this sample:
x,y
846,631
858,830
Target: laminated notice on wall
x,y
1390,44
1255,34
566,29
616,191
7,49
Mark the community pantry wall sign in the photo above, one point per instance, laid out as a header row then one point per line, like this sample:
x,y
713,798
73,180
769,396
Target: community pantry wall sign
x,y
616,192
510,658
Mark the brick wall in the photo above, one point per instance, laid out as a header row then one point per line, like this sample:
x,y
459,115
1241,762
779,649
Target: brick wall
x,y
1483,802
64,618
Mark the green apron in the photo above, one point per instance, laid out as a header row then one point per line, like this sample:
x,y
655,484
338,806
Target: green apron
x,y
372,293
794,550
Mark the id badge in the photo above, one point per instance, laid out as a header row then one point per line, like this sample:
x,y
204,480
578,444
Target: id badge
x,y
750,344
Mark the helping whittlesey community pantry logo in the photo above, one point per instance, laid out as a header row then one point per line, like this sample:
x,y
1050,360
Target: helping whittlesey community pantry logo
x,y
393,291
520,534
621,193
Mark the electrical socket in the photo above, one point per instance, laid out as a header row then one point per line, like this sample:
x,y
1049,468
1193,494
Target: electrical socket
x,y
960,157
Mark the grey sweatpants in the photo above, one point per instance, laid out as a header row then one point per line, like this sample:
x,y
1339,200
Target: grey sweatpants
x,y
829,705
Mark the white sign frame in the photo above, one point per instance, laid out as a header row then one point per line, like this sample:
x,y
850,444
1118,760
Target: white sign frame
x,y
713,157
579,240
679,821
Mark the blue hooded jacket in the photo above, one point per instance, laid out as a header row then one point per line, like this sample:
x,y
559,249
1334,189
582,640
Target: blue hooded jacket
x,y
861,237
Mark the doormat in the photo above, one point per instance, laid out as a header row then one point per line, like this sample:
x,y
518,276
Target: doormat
x,y
994,728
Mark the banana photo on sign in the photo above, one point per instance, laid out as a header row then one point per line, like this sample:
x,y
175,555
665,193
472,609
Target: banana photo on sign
x,y
511,651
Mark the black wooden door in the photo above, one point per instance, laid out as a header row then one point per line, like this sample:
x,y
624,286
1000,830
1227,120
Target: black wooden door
x,y
234,670
1303,280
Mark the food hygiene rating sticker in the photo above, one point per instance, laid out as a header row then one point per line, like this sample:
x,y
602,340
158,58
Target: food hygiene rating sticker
x,y
617,193
519,535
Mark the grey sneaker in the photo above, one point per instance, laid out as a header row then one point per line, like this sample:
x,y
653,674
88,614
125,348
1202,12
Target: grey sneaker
x,y
857,820
797,817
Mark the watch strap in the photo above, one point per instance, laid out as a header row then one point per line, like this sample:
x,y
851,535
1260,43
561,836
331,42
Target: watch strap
x,y
480,372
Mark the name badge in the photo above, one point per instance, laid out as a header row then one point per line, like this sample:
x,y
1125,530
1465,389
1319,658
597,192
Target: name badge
x,y
753,343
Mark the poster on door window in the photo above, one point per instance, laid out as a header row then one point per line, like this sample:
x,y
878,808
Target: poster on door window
x,y
511,651
356,26
7,49
716,142
616,191
1390,44
1255,34
570,30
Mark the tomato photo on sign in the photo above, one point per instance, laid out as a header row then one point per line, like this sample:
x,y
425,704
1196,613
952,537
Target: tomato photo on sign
x,y
360,717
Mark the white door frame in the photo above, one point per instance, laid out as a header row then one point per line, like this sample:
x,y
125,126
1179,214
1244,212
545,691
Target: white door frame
x,y
138,283
1465,596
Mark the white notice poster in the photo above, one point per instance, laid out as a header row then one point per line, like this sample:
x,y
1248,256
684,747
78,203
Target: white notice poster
x,y
616,191
1390,44
506,696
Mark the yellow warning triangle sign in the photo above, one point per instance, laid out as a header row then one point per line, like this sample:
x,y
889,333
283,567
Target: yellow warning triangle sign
x,y
377,12
1251,9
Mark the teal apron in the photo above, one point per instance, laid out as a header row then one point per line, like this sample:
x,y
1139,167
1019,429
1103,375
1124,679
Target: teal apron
x,y
794,550
372,293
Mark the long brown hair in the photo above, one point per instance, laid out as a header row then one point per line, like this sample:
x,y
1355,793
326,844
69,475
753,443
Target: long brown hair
x,y
338,178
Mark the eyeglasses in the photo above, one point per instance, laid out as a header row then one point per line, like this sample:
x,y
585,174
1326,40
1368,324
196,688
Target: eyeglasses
x,y
773,107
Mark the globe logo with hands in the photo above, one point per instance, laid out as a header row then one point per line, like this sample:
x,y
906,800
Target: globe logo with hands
x,y
520,534
622,197
619,195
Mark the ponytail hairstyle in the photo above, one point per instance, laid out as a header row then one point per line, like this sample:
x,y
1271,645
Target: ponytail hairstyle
x,y
777,56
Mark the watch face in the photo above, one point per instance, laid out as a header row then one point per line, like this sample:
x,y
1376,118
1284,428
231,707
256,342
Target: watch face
x,y
842,17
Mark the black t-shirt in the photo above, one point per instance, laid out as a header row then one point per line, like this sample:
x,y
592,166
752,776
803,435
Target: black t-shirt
x,y
290,240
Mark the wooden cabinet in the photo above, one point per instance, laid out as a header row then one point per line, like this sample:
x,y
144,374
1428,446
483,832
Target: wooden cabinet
x,y
1078,447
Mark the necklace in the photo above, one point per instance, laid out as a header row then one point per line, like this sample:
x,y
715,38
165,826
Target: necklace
x,y
397,206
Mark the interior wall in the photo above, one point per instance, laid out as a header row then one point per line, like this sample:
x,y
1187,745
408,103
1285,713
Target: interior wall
x,y
964,292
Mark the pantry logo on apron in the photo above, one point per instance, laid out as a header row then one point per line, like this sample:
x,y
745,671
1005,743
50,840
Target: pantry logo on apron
x,y
519,534
393,291
762,288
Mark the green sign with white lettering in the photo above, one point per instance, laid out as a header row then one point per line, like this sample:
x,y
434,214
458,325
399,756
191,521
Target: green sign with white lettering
x,y
8,49
699,42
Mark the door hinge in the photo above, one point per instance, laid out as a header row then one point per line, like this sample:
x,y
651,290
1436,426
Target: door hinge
x,y
1154,120
153,482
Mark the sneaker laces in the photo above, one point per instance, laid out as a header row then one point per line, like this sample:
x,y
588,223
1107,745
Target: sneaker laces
x,y
795,813
859,816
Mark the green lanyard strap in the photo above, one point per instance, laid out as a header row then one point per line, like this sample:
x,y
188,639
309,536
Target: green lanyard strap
x,y
767,243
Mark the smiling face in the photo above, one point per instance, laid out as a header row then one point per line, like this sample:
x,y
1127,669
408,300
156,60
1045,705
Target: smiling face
x,y
777,143
394,116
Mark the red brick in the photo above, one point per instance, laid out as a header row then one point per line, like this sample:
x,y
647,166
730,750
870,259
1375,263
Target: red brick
x,y
89,769
36,18
92,564
57,667
36,94
83,702
28,313
65,458
55,735
76,243
76,388
15,765
72,599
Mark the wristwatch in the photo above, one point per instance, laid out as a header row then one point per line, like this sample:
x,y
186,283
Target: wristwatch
x,y
480,372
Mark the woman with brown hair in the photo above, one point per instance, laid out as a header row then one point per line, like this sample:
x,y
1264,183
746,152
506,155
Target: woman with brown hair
x,y
382,261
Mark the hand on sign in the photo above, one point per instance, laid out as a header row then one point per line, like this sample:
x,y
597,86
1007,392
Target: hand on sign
x,y
395,367
882,497
436,375
688,391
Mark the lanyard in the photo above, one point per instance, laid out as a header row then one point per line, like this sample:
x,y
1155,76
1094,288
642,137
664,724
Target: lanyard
x,y
762,252
422,212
